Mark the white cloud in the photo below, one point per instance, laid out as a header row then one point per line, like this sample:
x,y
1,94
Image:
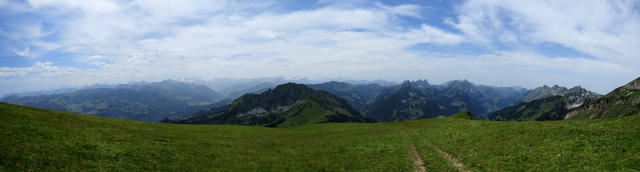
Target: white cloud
x,y
37,69
429,34
93,6
607,30
153,40
23,53
402,10
267,34
138,59
95,57
170,10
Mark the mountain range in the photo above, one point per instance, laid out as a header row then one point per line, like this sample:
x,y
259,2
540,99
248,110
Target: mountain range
x,y
419,99
284,106
143,102
547,91
359,95
181,101
232,88
410,100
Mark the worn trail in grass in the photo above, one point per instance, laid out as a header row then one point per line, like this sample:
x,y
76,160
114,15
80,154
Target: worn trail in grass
x,y
454,161
34,138
417,160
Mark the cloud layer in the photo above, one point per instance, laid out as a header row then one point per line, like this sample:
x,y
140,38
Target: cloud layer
x,y
528,43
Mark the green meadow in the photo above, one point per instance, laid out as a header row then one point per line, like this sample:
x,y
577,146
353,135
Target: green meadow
x,y
39,139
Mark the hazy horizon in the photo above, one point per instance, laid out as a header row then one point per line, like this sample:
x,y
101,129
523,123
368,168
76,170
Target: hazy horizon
x,y
230,82
59,44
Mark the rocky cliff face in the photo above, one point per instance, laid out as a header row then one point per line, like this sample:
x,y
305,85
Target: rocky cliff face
x,y
622,101
556,102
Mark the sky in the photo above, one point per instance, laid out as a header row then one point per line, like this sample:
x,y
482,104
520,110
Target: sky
x,y
46,44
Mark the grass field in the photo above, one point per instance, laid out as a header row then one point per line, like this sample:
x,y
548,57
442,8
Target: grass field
x,y
38,139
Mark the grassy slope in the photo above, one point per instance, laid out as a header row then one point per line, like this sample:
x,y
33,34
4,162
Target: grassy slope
x,y
305,113
33,138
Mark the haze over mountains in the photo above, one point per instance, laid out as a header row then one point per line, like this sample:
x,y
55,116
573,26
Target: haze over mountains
x,y
142,101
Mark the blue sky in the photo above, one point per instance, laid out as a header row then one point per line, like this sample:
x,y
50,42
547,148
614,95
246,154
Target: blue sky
x,y
53,44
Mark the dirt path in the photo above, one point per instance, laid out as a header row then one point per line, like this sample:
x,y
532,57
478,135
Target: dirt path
x,y
453,160
417,161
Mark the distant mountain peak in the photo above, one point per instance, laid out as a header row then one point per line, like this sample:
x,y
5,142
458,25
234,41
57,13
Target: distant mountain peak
x,y
577,87
463,82
544,92
460,84
358,95
420,83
